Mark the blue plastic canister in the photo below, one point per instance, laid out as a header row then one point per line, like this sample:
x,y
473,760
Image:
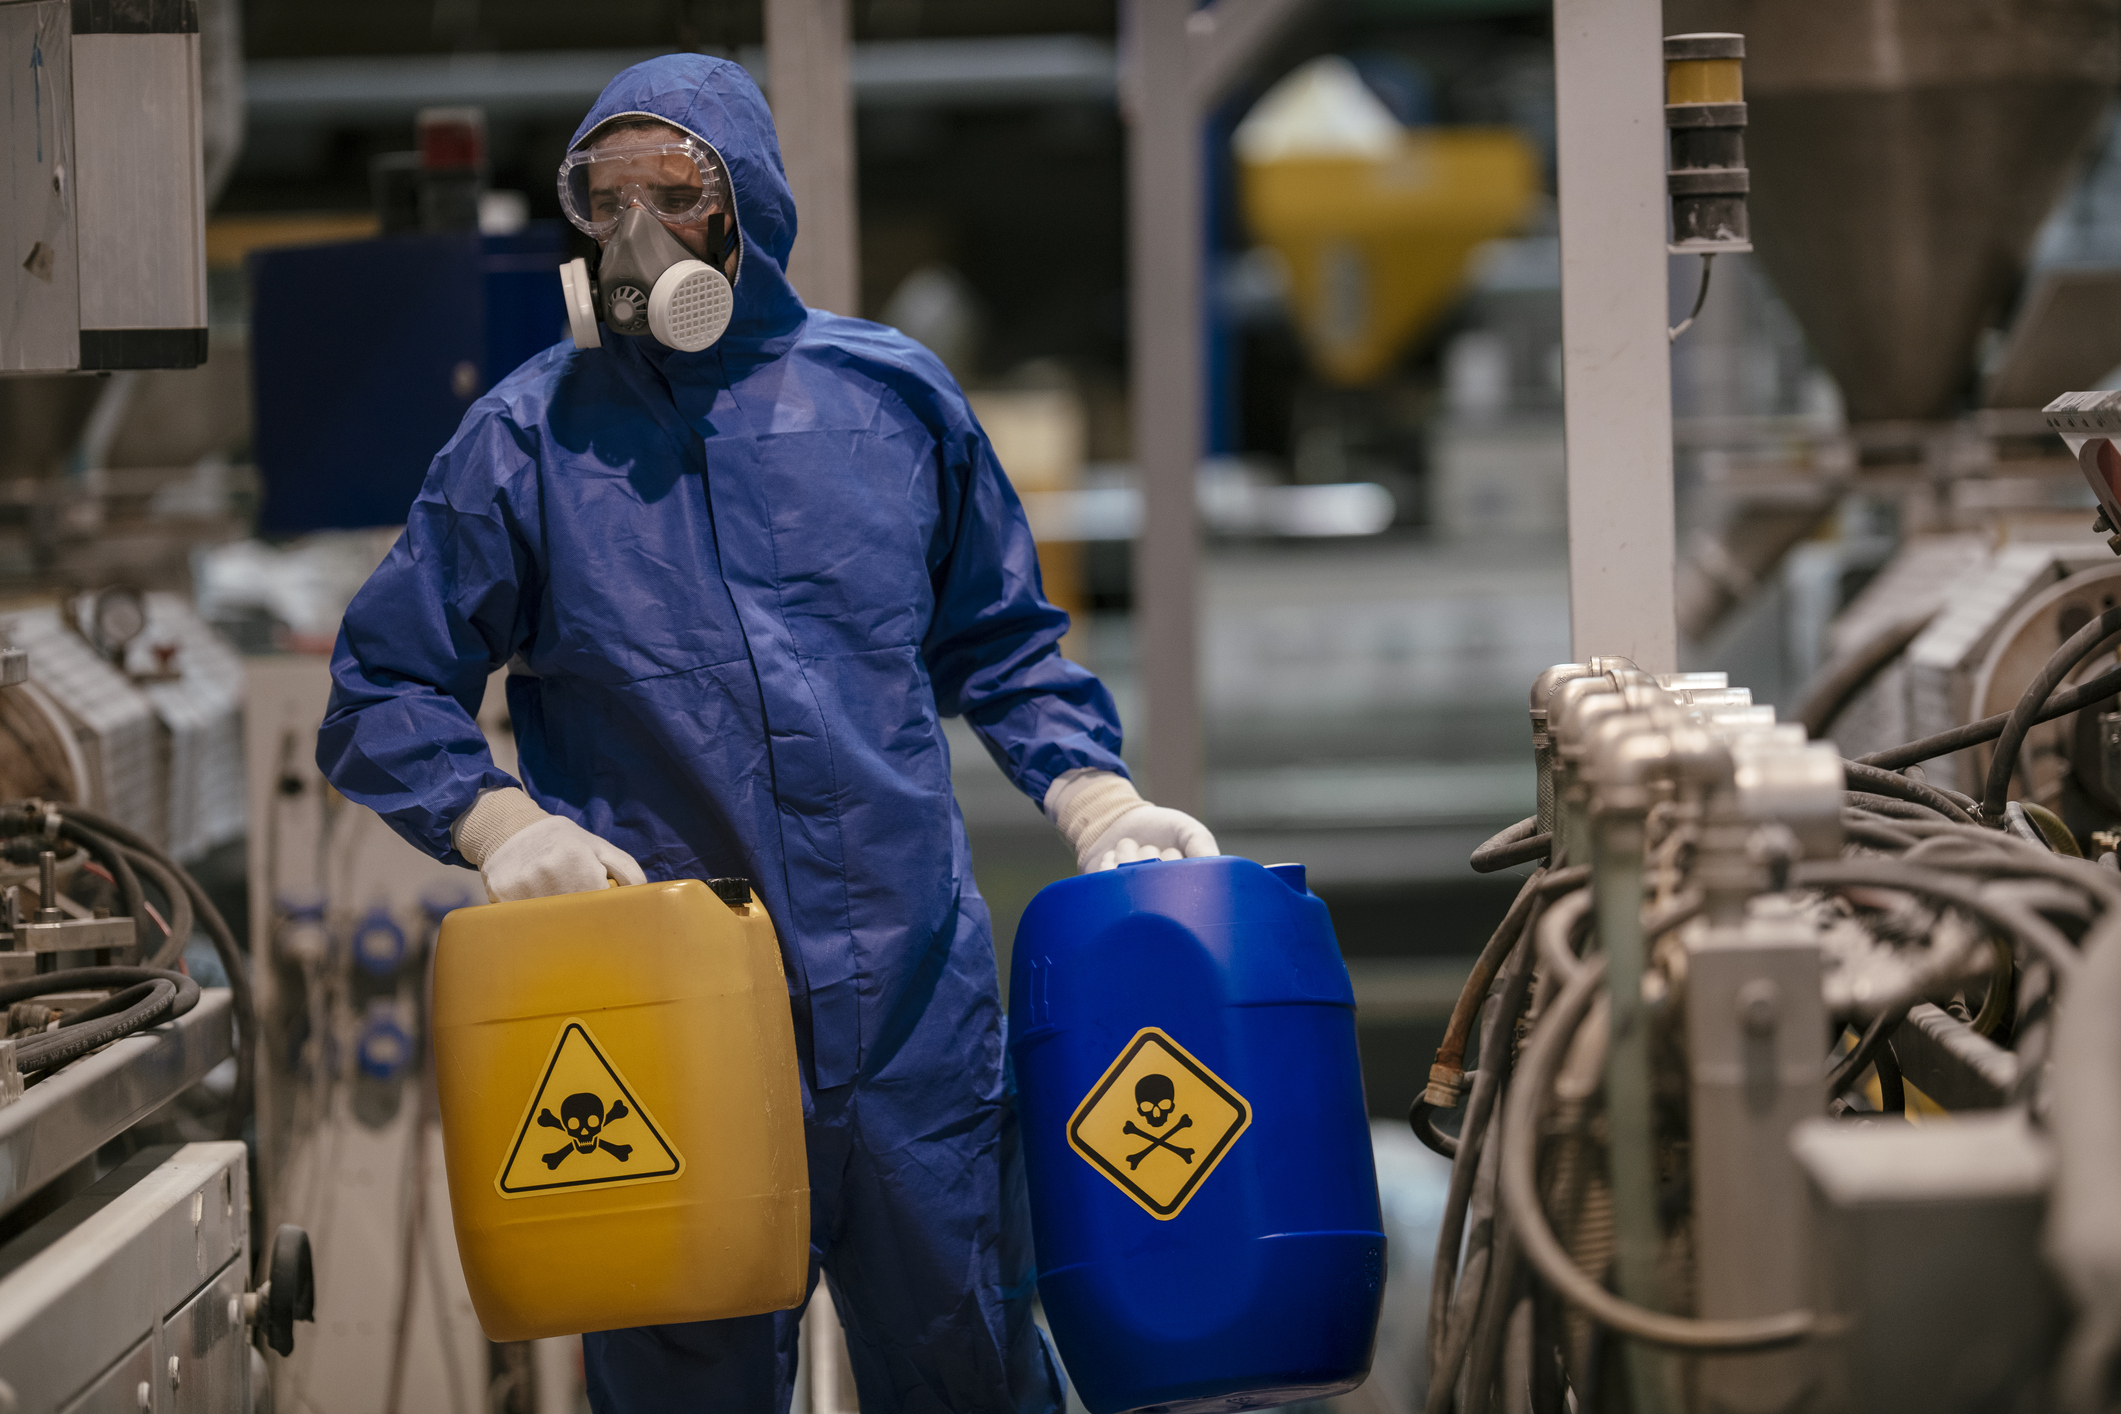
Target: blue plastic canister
x,y
1202,1191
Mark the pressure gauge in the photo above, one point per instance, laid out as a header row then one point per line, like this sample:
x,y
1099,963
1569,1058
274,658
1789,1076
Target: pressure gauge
x,y
117,617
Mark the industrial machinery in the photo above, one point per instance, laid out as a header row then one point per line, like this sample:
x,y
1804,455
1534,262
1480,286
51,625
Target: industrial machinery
x,y
1789,1080
125,1271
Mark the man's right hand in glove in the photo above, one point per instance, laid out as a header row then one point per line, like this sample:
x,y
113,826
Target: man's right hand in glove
x,y
524,851
1108,824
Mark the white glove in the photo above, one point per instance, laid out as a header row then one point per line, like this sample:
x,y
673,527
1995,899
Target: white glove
x,y
524,851
1108,823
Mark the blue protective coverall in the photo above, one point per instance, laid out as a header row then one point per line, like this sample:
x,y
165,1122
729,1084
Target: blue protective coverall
x,y
736,592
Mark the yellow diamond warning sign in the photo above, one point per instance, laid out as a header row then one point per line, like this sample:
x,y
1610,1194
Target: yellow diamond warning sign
x,y
1157,1123
584,1127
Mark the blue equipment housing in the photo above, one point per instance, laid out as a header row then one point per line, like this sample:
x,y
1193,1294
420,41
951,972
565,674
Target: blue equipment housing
x,y
364,356
1247,1268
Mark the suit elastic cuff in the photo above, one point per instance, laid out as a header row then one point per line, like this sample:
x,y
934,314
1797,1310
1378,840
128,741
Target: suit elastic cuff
x,y
494,817
1083,803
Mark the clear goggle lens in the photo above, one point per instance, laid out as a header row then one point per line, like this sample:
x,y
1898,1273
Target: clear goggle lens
x,y
679,183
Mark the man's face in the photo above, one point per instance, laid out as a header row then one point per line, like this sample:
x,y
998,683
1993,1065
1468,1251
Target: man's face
x,y
666,183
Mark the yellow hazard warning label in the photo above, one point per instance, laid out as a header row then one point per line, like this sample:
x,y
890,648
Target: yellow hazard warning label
x,y
584,1126
1157,1122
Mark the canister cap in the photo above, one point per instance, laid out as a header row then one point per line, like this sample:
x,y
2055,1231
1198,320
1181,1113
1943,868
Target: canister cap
x,y
733,891
1290,874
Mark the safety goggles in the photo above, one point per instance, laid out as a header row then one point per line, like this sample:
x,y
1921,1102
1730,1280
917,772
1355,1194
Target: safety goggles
x,y
680,183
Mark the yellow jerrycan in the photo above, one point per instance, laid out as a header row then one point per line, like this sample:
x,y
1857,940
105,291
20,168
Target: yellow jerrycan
x,y
621,1115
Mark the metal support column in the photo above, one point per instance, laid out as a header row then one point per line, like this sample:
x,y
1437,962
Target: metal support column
x,y
1177,61
807,44
1616,355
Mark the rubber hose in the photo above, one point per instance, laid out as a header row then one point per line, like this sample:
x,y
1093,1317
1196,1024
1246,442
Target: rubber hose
x,y
1997,853
2074,650
2036,932
1945,743
177,900
1520,1196
1899,787
1421,1118
107,852
1495,1045
1875,833
169,995
1451,1052
2018,826
1521,843
232,961
1892,807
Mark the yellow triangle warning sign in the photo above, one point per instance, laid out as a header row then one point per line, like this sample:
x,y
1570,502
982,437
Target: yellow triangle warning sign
x,y
584,1126
1157,1122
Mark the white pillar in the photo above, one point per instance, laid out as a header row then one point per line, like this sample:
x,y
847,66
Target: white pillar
x,y
1164,182
1177,62
807,82
1616,357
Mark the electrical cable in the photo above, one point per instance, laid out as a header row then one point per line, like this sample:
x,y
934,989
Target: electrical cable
x,y
2091,690
1520,1196
144,997
1701,298
1521,843
1891,783
2074,650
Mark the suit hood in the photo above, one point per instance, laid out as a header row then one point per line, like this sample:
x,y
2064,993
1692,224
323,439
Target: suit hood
x,y
716,101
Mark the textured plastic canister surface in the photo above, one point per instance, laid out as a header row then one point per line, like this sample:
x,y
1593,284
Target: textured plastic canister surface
x,y
1202,1190
621,1113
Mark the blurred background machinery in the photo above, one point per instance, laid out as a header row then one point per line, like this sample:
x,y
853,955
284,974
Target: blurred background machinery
x,y
1878,532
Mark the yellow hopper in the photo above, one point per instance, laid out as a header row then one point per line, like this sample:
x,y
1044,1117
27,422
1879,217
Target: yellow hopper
x,y
1377,244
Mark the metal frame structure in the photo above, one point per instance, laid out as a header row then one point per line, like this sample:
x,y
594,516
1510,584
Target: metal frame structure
x,y
1176,63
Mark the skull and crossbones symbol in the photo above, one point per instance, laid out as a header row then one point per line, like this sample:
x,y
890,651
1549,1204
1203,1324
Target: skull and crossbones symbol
x,y
1155,1098
582,1119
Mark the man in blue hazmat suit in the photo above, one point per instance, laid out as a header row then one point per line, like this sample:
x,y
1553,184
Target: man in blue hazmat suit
x,y
738,565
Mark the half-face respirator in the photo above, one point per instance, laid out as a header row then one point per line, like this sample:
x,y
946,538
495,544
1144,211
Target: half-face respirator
x,y
655,205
